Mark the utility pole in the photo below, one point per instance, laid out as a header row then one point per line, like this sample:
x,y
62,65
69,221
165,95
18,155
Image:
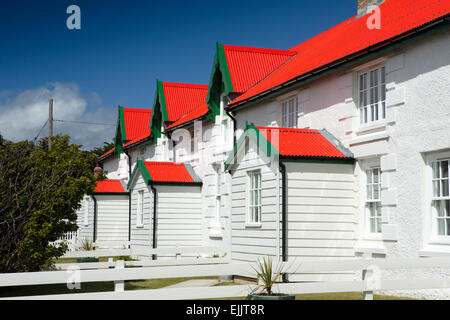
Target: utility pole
x,y
50,123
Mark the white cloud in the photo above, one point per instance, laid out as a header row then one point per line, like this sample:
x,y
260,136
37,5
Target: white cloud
x,y
22,116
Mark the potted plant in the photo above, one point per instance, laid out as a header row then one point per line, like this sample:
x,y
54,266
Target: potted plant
x,y
267,276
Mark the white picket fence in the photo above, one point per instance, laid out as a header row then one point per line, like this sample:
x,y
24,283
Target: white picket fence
x,y
155,269
70,238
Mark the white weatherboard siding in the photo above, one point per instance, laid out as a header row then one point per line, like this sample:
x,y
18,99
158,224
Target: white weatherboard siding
x,y
112,219
141,235
249,243
179,216
321,204
86,230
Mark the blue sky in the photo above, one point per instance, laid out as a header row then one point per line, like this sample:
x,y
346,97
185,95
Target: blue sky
x,y
124,46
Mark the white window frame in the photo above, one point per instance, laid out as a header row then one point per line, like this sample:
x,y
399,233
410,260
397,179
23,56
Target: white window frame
x,y
140,209
289,116
254,218
372,200
367,200
440,158
372,95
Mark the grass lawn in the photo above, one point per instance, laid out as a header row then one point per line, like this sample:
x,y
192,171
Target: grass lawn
x,y
90,287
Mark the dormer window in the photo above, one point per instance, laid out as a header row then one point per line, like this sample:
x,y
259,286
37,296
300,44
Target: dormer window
x,y
372,95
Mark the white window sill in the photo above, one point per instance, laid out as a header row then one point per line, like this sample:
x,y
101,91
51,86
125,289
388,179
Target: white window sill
x,y
251,225
364,128
139,226
372,246
435,250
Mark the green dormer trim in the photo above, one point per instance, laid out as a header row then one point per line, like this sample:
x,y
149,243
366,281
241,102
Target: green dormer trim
x,y
159,111
219,82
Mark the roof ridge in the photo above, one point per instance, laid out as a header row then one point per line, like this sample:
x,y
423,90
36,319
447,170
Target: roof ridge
x,y
261,50
185,85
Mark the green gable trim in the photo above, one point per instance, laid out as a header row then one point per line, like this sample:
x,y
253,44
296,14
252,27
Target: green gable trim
x,y
122,124
219,82
159,111
145,174
262,143
120,132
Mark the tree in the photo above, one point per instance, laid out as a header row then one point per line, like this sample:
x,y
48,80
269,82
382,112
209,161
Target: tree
x,y
40,191
99,151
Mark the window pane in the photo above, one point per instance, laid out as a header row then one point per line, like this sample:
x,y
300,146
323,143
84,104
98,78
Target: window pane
x,y
444,169
444,188
436,189
447,227
435,166
383,110
441,227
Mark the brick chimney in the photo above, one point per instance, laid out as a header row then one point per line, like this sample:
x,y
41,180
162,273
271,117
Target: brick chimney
x,y
365,6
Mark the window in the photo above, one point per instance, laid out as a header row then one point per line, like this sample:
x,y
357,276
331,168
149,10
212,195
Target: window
x,y
372,95
441,198
140,209
373,200
289,113
254,198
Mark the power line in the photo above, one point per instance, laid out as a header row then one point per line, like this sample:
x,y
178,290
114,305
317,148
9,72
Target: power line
x,y
40,130
84,122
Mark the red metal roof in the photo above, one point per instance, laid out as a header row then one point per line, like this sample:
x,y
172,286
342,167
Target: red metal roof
x,y
194,114
248,66
350,37
106,154
301,143
182,98
137,122
109,185
138,139
169,172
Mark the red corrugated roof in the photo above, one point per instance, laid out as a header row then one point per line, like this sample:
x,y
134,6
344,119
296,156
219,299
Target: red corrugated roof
x,y
168,172
109,185
138,139
301,142
137,122
194,114
350,37
106,154
182,98
248,66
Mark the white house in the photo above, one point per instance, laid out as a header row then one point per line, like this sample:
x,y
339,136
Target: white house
x,y
373,89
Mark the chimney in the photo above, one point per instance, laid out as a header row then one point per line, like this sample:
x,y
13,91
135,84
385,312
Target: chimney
x,y
97,171
366,6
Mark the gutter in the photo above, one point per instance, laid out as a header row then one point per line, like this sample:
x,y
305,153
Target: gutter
x,y
95,219
337,65
283,212
129,195
229,113
154,257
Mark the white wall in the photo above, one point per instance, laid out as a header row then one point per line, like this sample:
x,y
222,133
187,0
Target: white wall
x,y
112,220
141,236
321,204
249,243
179,216
86,231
